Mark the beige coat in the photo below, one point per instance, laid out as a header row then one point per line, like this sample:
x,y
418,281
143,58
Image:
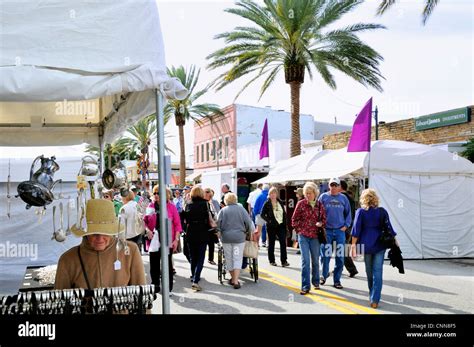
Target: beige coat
x,y
100,267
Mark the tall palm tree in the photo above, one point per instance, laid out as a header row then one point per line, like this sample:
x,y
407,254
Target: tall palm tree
x,y
427,10
293,36
187,109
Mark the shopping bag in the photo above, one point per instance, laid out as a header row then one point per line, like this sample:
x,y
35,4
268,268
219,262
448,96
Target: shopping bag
x,y
155,243
251,249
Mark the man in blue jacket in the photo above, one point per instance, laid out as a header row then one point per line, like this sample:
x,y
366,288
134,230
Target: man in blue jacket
x,y
257,209
338,220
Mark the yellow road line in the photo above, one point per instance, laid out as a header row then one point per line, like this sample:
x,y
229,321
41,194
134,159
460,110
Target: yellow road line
x,y
340,300
313,297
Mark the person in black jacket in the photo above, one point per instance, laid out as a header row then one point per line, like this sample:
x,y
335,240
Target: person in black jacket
x,y
196,216
274,215
348,262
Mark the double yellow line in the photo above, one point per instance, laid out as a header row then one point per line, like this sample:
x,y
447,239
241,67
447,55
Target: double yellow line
x,y
331,300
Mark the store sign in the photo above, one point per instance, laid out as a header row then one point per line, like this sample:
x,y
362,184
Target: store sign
x,y
436,120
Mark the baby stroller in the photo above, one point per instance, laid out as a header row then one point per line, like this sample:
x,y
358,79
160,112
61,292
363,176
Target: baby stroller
x,y
221,268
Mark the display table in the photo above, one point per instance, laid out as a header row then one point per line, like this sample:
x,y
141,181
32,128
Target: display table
x,y
29,283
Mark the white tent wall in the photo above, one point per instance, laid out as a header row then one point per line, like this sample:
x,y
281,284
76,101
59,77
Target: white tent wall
x,y
447,211
432,215
399,195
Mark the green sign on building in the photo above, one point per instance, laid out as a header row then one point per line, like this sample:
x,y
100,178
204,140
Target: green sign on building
x,y
441,119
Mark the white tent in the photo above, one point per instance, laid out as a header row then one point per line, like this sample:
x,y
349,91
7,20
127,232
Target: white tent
x,y
285,170
79,71
428,192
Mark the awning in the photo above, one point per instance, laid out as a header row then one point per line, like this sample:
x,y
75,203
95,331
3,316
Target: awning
x,y
73,71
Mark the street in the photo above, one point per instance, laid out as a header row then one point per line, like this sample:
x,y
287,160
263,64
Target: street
x,y
427,287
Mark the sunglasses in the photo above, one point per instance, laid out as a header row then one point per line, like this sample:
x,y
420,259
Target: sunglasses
x,y
207,192
106,196
334,184
156,193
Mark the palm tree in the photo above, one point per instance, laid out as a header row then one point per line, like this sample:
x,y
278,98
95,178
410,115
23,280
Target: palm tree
x,y
292,35
185,110
113,152
427,11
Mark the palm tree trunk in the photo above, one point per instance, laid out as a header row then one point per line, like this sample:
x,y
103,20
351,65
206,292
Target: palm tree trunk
x,y
295,118
182,157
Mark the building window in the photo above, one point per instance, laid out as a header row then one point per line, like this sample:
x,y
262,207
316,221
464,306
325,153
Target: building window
x,y
207,151
214,156
226,148
220,148
202,153
197,154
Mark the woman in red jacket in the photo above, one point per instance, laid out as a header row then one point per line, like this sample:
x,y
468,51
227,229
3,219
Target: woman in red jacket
x,y
308,220
152,225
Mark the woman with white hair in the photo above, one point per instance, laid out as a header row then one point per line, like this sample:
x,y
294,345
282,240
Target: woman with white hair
x,y
366,231
234,224
309,219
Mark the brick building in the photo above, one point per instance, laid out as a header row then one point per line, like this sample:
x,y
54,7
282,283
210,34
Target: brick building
x,y
452,128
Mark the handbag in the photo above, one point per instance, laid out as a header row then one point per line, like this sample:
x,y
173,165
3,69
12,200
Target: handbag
x,y
386,238
212,221
251,249
321,232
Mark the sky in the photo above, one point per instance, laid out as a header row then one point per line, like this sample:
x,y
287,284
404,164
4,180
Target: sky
x,y
427,68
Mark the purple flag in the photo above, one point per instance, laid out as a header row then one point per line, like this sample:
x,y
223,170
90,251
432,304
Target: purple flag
x,y
360,137
264,144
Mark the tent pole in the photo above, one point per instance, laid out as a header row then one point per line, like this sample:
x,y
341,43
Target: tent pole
x,y
101,151
160,127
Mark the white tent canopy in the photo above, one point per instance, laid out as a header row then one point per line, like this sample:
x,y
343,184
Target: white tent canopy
x,y
77,70
285,170
428,192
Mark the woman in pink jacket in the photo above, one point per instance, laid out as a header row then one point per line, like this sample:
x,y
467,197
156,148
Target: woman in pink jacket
x,y
152,225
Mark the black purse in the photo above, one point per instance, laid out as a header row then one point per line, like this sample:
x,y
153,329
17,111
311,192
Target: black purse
x,y
386,238
321,232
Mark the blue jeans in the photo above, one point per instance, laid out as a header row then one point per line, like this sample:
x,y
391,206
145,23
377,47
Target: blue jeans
x,y
340,237
374,269
197,253
309,250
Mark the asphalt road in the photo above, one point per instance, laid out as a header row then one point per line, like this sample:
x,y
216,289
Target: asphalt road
x,y
428,286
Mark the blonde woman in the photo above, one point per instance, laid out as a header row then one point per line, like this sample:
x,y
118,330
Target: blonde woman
x,y
196,217
308,220
366,231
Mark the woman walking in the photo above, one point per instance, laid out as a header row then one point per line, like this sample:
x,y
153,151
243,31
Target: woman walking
x,y
152,226
368,222
309,219
273,212
196,216
234,224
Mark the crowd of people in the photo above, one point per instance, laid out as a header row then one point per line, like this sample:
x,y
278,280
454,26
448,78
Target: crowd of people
x,y
324,226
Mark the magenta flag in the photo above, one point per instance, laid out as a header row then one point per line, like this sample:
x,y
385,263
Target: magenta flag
x,y
360,137
264,144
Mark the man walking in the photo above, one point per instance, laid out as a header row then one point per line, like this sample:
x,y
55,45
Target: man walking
x,y
338,221
348,262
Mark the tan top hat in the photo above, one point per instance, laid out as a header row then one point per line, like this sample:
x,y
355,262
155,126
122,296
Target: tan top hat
x,y
100,218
